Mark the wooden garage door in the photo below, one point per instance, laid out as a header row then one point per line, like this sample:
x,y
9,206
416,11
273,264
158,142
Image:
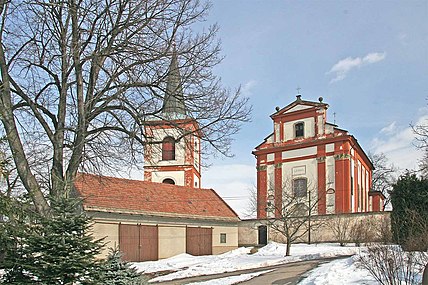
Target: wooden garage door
x,y
138,242
148,243
129,241
199,241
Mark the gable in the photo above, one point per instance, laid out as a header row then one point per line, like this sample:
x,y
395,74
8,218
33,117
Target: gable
x,y
299,105
297,108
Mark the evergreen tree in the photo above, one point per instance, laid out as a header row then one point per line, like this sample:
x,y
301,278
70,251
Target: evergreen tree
x,y
409,218
54,249
115,271
15,213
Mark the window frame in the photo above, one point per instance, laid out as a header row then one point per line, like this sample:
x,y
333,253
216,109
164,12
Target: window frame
x,y
302,130
223,238
168,153
298,193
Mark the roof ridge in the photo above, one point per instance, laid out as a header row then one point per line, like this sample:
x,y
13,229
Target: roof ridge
x,y
142,181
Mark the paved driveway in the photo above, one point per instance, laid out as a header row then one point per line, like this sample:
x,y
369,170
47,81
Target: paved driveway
x,y
284,274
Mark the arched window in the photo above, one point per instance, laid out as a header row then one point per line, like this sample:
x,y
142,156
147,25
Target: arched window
x,y
168,181
299,130
168,148
300,187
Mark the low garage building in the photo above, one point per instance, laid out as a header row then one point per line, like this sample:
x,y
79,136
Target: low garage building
x,y
151,221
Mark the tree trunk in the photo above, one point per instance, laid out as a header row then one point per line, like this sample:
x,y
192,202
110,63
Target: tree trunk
x,y
287,252
28,179
425,276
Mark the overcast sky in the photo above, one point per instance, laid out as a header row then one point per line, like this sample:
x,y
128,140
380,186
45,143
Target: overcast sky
x,y
367,59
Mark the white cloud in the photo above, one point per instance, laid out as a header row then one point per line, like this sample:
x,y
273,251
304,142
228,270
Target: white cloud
x,y
246,88
397,143
344,66
389,129
232,182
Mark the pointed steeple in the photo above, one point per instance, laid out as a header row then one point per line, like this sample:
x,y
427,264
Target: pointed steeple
x,y
173,104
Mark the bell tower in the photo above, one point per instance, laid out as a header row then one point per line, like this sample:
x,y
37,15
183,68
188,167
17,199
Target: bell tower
x,y
173,156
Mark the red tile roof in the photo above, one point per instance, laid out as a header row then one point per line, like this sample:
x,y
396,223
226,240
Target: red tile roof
x,y
142,197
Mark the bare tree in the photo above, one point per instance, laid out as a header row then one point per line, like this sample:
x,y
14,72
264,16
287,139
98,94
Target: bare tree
x,y
341,228
390,265
80,79
251,208
423,164
421,135
292,218
421,132
384,175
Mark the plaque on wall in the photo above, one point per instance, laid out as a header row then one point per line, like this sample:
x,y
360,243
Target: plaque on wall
x,y
299,170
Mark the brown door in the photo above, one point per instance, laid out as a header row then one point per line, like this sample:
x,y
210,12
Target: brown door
x,y
198,241
138,242
148,243
129,242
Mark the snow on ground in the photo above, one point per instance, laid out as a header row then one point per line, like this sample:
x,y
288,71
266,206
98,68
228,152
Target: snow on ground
x,y
186,265
231,279
339,272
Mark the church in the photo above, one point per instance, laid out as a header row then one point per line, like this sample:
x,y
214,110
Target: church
x,y
307,157
168,213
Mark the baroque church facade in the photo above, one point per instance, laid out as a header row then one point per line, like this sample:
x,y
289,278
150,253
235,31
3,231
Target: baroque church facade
x,y
308,158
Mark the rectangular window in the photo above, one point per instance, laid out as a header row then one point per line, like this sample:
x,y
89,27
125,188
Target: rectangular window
x,y
300,187
299,130
168,149
222,238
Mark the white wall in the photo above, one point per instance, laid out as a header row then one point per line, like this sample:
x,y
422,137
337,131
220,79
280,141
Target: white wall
x,y
172,241
329,147
110,233
321,124
330,184
309,129
156,149
298,108
296,153
307,168
196,152
231,236
177,176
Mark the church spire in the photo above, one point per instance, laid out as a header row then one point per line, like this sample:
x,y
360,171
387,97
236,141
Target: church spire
x,y
173,104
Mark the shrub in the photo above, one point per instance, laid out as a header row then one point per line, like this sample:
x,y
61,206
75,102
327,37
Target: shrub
x,y
409,218
115,271
390,265
340,226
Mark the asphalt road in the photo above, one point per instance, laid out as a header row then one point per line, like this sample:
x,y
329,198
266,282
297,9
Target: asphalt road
x,y
284,274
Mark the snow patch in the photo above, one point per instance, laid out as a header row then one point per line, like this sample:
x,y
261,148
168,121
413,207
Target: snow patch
x,y
338,272
185,265
231,279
